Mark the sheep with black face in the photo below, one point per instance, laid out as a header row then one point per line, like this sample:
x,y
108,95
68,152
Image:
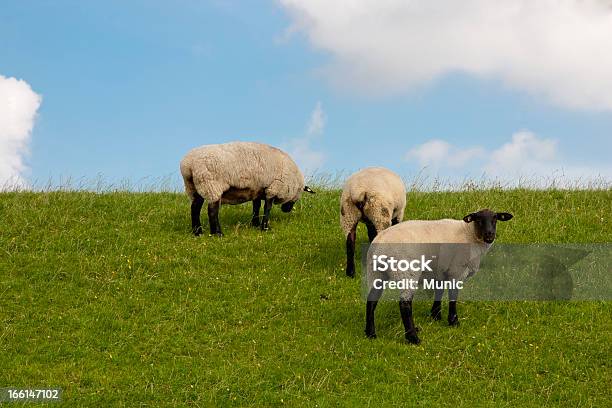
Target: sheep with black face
x,y
237,172
456,245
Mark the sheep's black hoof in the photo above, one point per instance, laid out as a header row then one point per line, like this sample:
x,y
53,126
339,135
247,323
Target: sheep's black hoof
x,y
413,338
350,273
255,222
370,334
453,320
216,234
197,231
436,314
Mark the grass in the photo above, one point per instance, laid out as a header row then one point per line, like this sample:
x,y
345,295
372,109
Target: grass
x,y
109,297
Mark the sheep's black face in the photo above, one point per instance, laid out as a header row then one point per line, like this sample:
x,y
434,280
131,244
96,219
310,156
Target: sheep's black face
x,y
485,223
288,206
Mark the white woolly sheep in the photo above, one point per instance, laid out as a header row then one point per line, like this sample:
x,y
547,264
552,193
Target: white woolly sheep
x,y
237,172
454,247
377,197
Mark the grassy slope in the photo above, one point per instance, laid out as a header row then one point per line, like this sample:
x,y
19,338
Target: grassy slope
x,y
109,297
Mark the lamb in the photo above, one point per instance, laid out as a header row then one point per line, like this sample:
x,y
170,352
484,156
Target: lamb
x,y
237,172
450,249
377,197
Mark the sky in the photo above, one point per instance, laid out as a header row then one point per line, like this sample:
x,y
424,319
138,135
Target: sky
x,y
440,89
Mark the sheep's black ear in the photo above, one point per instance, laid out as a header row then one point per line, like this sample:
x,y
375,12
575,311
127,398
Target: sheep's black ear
x,y
470,217
504,216
308,190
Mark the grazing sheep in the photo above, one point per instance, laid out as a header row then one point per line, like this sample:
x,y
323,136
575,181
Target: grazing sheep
x,y
454,248
377,197
236,172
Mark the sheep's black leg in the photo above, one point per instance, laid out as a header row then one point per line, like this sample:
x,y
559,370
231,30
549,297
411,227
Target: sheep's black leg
x,y
213,218
436,308
266,216
371,230
453,319
350,252
373,297
394,221
255,217
409,329
196,206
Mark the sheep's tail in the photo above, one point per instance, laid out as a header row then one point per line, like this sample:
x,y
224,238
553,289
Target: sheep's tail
x,y
190,187
374,208
361,201
367,203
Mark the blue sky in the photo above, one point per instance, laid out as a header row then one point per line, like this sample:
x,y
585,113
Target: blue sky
x,y
128,87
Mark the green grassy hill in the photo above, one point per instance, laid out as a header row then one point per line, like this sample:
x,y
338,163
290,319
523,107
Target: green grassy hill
x,y
110,297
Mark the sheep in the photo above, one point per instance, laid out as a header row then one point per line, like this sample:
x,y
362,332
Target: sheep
x,y
237,172
455,248
377,197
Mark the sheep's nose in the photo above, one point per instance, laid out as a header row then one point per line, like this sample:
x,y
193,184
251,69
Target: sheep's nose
x,y
489,237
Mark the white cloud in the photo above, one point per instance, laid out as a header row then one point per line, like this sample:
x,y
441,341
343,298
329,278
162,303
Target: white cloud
x,y
18,106
307,158
317,120
438,153
525,153
558,49
525,157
